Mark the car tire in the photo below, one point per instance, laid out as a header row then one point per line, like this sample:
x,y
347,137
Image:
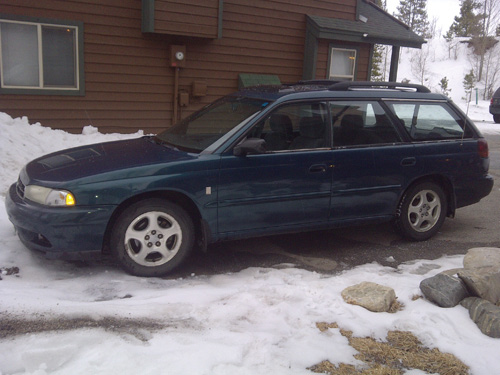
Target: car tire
x,y
421,211
152,237
496,119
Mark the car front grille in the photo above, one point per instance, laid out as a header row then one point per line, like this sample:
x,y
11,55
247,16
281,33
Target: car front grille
x,y
20,188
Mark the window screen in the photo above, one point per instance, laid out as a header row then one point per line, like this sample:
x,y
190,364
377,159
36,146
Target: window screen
x,y
342,64
38,56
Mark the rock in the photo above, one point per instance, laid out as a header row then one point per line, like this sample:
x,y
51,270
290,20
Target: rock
x,y
444,290
483,282
482,257
371,296
485,314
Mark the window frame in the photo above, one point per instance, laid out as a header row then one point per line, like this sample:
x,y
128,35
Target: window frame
x,y
331,49
78,28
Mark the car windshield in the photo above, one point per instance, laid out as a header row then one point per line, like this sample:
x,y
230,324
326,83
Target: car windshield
x,y
203,128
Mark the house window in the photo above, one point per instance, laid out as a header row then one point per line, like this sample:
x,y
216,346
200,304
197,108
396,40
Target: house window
x,y
40,57
342,64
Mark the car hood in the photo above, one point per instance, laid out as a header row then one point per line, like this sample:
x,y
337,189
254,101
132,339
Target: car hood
x,y
104,161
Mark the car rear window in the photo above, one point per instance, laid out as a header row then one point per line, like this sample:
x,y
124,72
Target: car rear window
x,y
430,121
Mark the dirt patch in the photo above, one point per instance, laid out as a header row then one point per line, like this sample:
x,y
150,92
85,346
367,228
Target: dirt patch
x,y
400,352
14,326
8,271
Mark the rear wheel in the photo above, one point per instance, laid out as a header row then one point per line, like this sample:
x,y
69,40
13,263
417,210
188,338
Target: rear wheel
x,y
152,237
496,118
422,211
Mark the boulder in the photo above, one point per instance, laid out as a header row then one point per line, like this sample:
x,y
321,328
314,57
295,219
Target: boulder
x,y
371,296
444,290
485,314
479,257
483,282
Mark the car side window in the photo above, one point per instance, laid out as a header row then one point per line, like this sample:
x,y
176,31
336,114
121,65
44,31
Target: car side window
x,y
361,123
295,127
430,121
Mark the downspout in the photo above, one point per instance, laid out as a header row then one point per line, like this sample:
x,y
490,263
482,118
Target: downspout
x,y
176,94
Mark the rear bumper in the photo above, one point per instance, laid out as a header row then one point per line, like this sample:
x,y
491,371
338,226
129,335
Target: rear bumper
x,y
61,232
495,110
474,191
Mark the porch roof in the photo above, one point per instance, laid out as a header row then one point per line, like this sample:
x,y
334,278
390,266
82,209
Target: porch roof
x,y
373,25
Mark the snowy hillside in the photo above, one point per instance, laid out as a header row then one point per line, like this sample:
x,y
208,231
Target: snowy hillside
x,y
437,62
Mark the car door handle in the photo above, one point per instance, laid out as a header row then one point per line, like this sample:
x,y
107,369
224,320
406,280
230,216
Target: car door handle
x,y
409,162
317,168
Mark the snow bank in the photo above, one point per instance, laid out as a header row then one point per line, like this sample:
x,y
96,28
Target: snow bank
x,y
21,142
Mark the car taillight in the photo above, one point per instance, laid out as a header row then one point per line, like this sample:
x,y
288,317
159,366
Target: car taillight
x,y
482,148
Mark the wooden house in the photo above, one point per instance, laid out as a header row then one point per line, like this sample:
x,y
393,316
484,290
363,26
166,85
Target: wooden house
x,y
123,65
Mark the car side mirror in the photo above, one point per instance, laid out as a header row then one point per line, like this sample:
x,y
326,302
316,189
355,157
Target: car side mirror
x,y
250,146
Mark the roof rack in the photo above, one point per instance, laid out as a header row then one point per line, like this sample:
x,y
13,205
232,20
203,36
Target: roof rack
x,y
360,85
317,82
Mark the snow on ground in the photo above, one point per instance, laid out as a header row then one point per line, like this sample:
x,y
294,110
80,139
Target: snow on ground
x,y
257,321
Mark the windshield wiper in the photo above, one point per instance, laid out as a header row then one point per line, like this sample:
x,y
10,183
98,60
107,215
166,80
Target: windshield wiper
x,y
155,139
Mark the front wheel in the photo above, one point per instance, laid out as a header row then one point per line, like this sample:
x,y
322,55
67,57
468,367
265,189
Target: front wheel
x,y
152,237
496,118
421,212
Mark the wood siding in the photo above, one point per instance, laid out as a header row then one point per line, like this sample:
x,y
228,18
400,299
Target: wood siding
x,y
129,83
198,18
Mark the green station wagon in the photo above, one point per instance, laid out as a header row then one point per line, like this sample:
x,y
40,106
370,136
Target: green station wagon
x,y
266,160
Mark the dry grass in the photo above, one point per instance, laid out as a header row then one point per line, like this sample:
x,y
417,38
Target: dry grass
x,y
402,351
396,306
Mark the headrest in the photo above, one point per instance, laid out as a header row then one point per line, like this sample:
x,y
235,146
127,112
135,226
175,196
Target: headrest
x,y
280,123
312,127
352,121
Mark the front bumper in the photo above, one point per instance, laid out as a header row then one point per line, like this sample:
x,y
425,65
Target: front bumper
x,y
60,232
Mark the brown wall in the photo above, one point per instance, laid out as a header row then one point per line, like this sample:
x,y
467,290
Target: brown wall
x,y
129,84
189,18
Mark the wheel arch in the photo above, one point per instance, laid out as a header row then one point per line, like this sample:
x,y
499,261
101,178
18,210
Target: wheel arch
x,y
201,228
444,182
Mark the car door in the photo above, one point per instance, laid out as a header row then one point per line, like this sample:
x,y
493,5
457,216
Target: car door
x,y
444,144
371,162
287,186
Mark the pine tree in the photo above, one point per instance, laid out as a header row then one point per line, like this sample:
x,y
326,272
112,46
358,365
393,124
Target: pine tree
x,y
414,14
379,52
469,82
443,84
376,73
469,22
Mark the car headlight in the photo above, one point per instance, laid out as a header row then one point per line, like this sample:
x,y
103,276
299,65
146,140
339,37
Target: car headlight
x,y
49,197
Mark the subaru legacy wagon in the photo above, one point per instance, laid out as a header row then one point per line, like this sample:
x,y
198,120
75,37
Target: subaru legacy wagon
x,y
262,161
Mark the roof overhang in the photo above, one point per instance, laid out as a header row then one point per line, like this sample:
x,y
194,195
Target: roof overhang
x,y
373,25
